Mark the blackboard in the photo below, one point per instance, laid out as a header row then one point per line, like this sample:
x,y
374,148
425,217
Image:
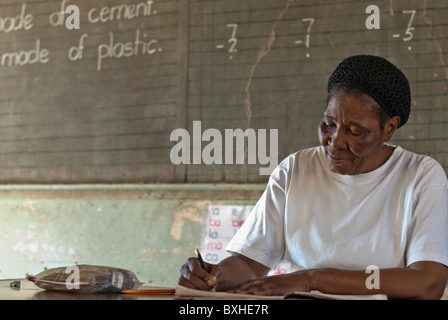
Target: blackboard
x,y
98,104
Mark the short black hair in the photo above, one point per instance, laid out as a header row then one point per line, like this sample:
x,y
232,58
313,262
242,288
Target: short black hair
x,y
379,79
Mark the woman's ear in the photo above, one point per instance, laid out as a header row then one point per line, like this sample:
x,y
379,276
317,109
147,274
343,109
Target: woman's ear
x,y
390,128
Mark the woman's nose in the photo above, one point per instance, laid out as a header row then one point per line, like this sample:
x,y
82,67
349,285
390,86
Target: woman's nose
x,y
338,139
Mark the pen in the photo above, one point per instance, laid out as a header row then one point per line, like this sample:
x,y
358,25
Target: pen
x,y
198,254
150,291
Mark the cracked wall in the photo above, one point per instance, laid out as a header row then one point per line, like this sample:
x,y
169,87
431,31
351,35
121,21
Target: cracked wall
x,y
150,231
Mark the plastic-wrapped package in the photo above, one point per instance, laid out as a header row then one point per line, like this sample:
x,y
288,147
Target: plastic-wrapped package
x,y
86,278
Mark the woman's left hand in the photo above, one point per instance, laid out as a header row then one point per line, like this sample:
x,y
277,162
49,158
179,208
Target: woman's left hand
x,y
276,285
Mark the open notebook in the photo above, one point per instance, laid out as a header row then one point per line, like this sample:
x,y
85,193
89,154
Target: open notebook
x,y
186,293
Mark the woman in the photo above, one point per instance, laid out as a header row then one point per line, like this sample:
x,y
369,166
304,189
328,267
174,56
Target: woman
x,y
352,202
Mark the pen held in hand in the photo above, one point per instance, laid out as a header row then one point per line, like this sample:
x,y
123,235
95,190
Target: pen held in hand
x,y
198,254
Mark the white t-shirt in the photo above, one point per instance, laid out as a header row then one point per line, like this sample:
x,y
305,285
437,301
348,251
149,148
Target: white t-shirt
x,y
308,215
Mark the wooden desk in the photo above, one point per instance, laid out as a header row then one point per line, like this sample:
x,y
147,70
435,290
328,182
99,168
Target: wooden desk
x,y
29,291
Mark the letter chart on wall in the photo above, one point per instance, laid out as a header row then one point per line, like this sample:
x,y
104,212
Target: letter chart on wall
x,y
220,223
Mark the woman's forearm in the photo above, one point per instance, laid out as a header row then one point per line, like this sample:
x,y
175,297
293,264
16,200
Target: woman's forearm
x,y
421,280
397,283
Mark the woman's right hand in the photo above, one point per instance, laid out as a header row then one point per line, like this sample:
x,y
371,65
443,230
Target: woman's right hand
x,y
193,276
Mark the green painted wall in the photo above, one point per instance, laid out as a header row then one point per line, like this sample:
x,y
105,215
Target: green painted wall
x,y
148,229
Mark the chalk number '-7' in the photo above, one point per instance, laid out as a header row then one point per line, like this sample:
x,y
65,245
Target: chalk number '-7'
x,y
308,32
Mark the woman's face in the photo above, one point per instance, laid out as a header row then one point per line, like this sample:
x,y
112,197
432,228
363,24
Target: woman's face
x,y
351,134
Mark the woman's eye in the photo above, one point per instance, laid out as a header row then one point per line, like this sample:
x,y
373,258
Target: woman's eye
x,y
355,133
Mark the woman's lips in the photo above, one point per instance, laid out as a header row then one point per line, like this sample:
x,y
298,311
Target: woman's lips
x,y
337,160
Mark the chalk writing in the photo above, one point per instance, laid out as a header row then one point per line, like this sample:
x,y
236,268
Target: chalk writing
x,y
20,22
118,12
132,48
141,44
409,28
232,40
70,14
24,57
75,53
308,36
408,32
